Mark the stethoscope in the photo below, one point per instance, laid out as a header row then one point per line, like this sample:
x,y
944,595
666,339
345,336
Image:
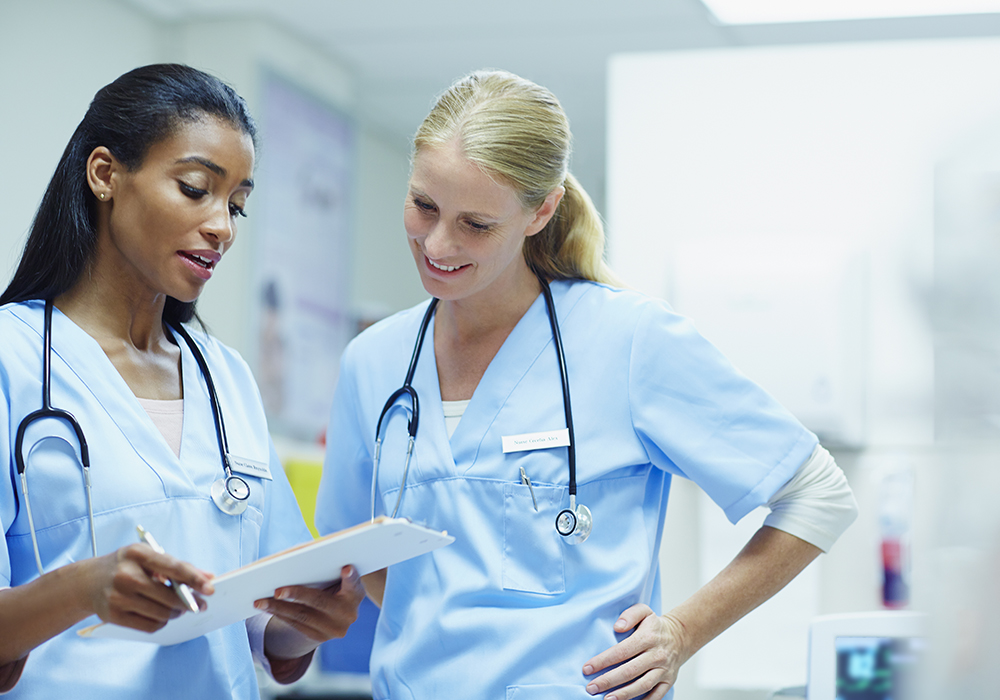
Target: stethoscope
x,y
230,493
573,523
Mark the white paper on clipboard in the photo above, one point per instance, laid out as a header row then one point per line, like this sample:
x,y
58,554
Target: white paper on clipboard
x,y
368,547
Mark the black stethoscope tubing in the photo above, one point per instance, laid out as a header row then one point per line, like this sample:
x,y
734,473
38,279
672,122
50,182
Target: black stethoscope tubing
x,y
573,523
235,491
564,377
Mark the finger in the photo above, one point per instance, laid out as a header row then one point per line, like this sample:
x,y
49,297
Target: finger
x,y
643,667
318,614
330,618
632,617
166,567
619,653
646,686
131,597
659,692
348,588
300,618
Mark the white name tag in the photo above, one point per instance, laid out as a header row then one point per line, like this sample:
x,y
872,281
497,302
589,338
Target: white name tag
x,y
242,465
536,441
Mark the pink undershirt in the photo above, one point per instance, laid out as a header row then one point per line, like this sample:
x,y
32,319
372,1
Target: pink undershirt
x,y
168,417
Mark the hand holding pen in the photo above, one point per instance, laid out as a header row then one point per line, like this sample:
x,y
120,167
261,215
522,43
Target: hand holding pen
x,y
182,590
131,586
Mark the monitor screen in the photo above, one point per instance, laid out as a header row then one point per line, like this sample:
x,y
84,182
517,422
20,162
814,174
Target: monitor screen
x,y
865,656
877,668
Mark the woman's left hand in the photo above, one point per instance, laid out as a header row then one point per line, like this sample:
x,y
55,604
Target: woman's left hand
x,y
649,658
305,617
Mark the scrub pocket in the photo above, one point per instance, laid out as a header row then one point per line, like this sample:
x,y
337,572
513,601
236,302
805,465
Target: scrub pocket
x,y
548,692
532,552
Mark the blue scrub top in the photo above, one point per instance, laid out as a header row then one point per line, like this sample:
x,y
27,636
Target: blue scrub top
x,y
510,610
137,479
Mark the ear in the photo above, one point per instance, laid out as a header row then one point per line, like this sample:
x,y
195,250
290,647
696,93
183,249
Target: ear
x,y
101,167
546,211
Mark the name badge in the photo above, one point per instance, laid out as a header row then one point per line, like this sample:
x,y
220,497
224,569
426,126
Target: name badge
x,y
242,465
536,441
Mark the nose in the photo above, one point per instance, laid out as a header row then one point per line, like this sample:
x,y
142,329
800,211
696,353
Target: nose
x,y
439,241
220,224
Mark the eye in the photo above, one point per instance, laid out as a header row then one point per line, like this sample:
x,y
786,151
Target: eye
x,y
192,192
422,205
478,226
236,210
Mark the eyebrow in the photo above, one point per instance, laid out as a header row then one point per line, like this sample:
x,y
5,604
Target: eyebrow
x,y
214,167
475,214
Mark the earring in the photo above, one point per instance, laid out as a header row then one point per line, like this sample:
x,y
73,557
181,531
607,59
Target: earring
x,y
101,195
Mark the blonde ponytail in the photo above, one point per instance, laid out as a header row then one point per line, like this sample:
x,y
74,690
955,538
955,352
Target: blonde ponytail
x,y
571,246
517,132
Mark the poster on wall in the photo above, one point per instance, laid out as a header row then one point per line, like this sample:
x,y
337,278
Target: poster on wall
x,y
304,181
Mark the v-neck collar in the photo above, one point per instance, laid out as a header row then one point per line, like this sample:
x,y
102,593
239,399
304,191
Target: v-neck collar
x,y
86,359
531,336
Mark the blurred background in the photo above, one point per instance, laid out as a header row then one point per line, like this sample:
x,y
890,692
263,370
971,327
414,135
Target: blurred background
x,y
819,192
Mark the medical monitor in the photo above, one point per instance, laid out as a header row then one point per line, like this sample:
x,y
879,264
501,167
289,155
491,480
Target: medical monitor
x,y
865,656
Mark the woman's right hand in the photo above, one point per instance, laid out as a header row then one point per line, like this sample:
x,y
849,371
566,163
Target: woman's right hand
x,y
128,587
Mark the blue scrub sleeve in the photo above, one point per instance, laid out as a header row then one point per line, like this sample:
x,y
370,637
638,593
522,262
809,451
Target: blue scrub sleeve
x,y
699,417
344,496
9,497
283,525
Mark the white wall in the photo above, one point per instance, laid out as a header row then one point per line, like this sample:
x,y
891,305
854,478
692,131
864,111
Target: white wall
x,y
804,148
54,55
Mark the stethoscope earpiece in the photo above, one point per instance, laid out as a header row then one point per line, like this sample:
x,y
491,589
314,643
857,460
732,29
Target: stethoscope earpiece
x,y
231,494
575,524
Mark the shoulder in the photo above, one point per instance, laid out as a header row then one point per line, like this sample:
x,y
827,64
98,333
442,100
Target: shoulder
x,y
21,319
21,334
615,307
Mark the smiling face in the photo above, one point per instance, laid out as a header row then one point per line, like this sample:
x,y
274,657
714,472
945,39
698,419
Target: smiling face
x,y
466,230
164,226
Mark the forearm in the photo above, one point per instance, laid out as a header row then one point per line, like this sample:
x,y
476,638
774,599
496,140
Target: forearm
x,y
766,564
374,584
35,612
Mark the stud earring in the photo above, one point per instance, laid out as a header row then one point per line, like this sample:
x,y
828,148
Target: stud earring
x,y
101,195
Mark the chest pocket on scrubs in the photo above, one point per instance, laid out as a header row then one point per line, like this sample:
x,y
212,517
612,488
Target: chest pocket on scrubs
x,y
532,552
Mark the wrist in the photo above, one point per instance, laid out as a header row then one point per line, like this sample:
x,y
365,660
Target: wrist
x,y
75,583
284,643
685,646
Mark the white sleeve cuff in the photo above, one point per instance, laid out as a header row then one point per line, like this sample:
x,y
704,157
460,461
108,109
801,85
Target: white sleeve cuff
x,y
817,504
255,632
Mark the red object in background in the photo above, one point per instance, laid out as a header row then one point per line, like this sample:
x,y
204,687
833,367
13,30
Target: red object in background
x,y
895,590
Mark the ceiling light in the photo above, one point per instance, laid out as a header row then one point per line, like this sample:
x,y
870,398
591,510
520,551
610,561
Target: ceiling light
x,y
782,11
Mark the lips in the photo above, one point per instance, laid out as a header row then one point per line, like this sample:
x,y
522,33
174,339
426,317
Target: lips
x,y
201,262
443,268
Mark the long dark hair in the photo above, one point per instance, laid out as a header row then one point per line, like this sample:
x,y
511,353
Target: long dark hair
x,y
135,112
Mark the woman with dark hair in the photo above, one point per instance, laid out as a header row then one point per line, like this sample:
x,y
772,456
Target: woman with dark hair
x,y
141,209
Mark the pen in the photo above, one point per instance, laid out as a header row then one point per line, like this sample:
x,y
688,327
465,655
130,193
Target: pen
x,y
182,590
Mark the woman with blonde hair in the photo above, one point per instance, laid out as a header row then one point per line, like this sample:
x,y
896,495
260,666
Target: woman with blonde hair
x,y
556,501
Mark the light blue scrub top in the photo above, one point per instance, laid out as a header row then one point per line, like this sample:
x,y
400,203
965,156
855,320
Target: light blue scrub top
x,y
509,610
137,479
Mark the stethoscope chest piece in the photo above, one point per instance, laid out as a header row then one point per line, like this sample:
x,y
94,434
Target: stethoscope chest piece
x,y
575,524
231,494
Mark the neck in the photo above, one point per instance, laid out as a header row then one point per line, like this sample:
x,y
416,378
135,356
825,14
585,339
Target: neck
x,y
113,316
474,318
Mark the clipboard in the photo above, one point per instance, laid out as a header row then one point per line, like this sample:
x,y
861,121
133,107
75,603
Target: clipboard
x,y
368,547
